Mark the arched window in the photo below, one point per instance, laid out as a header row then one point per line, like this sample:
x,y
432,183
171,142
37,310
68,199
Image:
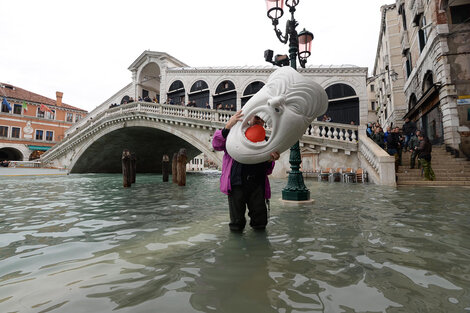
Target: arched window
x,y
199,94
412,102
176,93
343,104
125,100
250,90
225,96
428,81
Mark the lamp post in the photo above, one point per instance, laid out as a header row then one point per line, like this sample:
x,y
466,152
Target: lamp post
x,y
299,47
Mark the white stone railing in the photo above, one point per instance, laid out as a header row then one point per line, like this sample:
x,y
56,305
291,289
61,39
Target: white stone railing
x,y
333,131
376,161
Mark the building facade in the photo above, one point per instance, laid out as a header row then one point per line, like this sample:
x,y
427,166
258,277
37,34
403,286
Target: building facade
x,y
30,124
388,86
434,43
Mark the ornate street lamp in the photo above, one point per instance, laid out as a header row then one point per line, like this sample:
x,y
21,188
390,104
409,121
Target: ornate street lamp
x,y
299,47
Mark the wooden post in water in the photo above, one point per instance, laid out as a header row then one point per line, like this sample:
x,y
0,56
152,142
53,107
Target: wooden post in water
x,y
133,167
174,168
182,159
126,168
165,167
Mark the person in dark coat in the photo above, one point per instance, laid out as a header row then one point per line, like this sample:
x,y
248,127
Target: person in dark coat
x,y
378,137
409,128
424,156
393,144
413,144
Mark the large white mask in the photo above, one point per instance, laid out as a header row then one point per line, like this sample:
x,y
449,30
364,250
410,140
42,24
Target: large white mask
x,y
288,103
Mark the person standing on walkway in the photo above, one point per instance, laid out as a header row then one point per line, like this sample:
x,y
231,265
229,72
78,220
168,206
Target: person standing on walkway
x,y
393,144
244,184
424,155
409,128
413,144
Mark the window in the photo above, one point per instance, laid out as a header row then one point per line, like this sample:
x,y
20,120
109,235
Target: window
x,y
78,117
460,14
49,135
371,87
39,134
17,109
50,115
39,113
15,132
5,109
69,117
372,105
3,131
422,35
402,12
408,64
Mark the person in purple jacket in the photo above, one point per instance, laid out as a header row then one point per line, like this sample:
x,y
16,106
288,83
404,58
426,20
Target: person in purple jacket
x,y
244,184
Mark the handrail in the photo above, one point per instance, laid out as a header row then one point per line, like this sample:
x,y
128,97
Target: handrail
x,y
376,161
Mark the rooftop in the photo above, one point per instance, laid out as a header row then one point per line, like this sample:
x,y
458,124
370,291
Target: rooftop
x,y
13,92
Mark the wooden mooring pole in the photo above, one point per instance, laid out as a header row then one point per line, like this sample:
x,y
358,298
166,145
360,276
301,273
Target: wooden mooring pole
x,y
182,159
174,168
126,168
165,167
133,167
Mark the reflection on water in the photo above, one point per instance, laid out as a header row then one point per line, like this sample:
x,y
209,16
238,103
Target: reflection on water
x,y
82,243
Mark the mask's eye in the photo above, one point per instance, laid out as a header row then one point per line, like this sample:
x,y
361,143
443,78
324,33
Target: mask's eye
x,y
277,101
296,107
277,110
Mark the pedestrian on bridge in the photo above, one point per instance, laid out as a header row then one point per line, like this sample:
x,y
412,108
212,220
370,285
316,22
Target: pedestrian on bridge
x,y
246,185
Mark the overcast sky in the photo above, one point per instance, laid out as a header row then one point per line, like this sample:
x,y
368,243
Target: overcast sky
x,y
83,48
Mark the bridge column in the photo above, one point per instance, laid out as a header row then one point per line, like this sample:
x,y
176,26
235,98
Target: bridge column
x,y
239,101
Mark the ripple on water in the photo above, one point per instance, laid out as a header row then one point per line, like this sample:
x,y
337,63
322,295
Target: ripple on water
x,y
82,241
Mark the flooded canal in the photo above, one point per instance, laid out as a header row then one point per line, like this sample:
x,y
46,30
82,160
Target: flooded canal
x,y
82,243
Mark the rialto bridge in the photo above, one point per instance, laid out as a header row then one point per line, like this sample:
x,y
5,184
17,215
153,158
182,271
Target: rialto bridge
x,y
151,130
167,123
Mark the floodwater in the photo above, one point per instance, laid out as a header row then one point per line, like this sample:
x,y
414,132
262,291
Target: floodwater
x,y
82,243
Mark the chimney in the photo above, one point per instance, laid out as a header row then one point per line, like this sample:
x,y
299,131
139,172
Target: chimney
x,y
59,95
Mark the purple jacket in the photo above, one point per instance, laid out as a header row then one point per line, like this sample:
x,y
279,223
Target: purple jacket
x,y
218,142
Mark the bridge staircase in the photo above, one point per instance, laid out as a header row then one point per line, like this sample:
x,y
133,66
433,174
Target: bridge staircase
x,y
449,170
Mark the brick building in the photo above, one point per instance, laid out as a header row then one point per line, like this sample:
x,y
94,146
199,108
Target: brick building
x,y
31,124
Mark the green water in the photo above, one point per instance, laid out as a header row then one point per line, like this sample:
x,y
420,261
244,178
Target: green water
x,y
82,243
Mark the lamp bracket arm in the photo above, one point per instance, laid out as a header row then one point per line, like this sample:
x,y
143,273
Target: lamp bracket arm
x,y
282,38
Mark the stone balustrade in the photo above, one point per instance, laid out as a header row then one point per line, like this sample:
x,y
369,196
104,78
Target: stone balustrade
x,y
376,161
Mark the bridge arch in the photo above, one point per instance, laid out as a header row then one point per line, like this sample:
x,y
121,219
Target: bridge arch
x,y
11,154
148,80
199,93
225,94
250,89
149,130
176,92
343,103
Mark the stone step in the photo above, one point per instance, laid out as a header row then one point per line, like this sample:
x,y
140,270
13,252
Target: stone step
x,y
436,164
433,183
438,178
437,172
441,174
